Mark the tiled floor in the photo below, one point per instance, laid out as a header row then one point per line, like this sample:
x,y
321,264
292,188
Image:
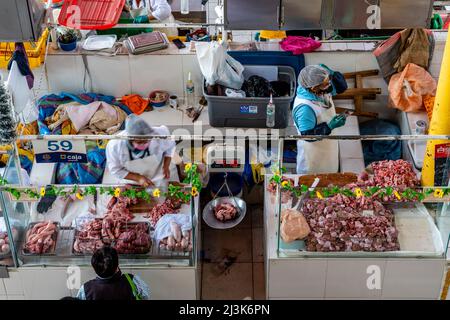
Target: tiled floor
x,y
233,260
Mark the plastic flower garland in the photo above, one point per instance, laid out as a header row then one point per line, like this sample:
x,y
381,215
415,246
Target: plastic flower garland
x,y
177,191
410,194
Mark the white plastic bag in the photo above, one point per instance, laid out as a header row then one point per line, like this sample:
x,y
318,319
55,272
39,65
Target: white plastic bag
x,y
162,228
218,67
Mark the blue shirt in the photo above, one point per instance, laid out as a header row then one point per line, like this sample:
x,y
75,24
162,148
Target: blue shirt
x,y
141,287
304,117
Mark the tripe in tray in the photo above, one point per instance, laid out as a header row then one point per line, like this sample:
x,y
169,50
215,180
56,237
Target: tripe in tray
x,y
41,238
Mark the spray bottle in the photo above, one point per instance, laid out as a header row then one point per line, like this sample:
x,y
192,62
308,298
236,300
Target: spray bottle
x,y
270,113
190,92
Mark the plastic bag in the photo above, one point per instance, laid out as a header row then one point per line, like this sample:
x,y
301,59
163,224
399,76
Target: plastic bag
x,y
257,86
408,88
218,67
299,45
162,228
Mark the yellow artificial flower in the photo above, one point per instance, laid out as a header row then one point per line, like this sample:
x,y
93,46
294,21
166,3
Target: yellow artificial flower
x,y
397,195
438,193
156,193
358,192
285,183
277,172
319,195
117,192
42,191
194,191
187,167
79,196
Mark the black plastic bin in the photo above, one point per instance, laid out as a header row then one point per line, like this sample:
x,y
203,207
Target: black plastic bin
x,y
251,112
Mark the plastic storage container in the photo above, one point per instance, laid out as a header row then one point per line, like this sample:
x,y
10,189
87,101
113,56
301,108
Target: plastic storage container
x,y
35,51
251,112
94,14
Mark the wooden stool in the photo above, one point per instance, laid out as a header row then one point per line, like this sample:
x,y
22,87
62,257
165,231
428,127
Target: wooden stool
x,y
359,93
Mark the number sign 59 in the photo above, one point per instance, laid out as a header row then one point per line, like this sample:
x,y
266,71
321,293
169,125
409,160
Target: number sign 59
x,y
63,145
54,151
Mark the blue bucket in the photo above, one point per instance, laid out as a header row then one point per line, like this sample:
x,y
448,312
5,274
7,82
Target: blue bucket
x,y
234,180
68,46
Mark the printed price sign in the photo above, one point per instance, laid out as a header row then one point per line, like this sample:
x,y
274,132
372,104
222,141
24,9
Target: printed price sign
x,y
56,151
442,164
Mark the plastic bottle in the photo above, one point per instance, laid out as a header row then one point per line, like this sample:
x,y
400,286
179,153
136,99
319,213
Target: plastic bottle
x,y
184,7
190,92
270,114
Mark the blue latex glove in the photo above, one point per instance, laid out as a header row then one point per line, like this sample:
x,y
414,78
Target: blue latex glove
x,y
337,121
141,19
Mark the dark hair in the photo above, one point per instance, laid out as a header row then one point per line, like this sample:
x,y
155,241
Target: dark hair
x,y
69,298
105,261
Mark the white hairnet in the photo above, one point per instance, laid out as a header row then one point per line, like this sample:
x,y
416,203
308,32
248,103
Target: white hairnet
x,y
135,126
312,76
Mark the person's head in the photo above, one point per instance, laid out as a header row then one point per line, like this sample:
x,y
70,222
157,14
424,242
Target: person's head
x,y
105,262
135,126
316,79
69,298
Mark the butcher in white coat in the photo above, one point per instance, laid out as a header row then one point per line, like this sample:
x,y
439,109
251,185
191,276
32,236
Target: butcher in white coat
x,y
141,161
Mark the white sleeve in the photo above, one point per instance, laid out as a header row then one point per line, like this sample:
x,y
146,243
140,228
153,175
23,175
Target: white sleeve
x,y
168,146
161,10
114,159
170,151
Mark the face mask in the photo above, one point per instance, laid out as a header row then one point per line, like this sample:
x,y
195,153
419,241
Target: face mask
x,y
329,89
141,147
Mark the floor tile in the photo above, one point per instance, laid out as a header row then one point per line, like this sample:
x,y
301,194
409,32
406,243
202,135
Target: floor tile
x,y
246,223
258,245
255,195
232,243
220,282
257,217
259,287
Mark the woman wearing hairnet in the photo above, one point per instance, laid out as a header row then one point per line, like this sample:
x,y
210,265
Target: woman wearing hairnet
x,y
314,114
145,11
141,161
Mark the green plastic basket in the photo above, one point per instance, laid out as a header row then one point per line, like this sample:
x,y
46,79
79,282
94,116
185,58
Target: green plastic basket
x,y
120,32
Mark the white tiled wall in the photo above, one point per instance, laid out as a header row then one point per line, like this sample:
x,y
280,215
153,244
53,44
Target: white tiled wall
x,y
425,279
289,279
354,273
51,283
156,72
140,74
122,75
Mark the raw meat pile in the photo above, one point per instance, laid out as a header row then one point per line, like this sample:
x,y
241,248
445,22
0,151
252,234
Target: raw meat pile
x,y
125,237
397,173
135,240
341,223
118,208
41,238
168,206
225,212
4,242
89,238
178,240
293,225
389,173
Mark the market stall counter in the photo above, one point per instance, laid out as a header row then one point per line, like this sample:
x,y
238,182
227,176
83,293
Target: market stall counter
x,y
154,232
376,235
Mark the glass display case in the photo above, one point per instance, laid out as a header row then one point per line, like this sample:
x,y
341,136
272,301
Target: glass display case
x,y
366,230
369,209
57,226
